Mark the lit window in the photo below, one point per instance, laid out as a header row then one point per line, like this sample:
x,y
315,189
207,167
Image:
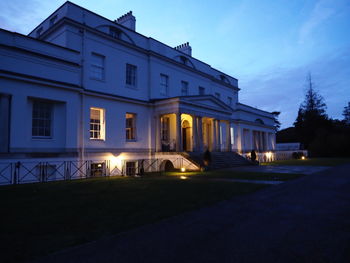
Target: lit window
x,y
97,66
97,124
184,88
130,126
41,119
164,83
131,71
165,128
217,95
201,90
229,101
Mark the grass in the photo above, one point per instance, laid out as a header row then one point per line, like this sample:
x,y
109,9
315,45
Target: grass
x,y
37,219
312,162
238,175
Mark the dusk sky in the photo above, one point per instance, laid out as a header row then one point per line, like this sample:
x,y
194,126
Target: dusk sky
x,y
269,46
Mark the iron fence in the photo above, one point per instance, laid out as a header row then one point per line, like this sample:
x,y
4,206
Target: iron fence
x,y
45,171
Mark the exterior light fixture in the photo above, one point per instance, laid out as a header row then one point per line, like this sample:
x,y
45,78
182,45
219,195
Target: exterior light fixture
x,y
183,177
99,165
303,157
183,169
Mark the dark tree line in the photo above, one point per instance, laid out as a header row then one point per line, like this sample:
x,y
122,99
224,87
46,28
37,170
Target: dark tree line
x,y
319,134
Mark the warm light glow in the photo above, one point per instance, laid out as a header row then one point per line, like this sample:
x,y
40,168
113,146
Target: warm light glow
x,y
99,165
303,157
269,155
183,177
183,169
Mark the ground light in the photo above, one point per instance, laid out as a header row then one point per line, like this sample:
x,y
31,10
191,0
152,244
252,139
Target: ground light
x,y
183,177
303,157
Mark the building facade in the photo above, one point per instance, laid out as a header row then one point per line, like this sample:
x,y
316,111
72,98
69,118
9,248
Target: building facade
x,y
83,87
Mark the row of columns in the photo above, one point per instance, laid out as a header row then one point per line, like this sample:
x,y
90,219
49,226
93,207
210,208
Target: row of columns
x,y
197,134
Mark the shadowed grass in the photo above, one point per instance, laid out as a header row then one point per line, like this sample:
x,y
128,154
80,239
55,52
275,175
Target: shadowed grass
x,y
227,174
37,219
312,162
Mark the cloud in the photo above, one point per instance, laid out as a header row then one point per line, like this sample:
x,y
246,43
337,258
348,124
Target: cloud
x,y
322,11
23,16
283,89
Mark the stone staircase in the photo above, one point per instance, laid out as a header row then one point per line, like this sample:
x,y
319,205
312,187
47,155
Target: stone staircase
x,y
220,160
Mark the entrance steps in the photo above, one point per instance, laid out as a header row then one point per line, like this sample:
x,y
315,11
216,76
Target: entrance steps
x,y
219,160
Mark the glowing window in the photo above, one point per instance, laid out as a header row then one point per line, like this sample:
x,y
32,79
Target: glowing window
x,y
130,126
97,124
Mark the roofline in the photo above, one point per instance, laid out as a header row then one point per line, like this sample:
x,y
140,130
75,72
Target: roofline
x,y
39,40
238,103
85,9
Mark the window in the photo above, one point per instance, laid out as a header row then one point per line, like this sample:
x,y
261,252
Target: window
x,y
114,32
97,66
229,101
165,128
164,83
131,71
97,124
130,168
217,95
184,88
39,31
53,20
201,90
41,119
130,126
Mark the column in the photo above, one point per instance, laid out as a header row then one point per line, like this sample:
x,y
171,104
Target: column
x,y
194,134
250,140
261,143
200,134
219,136
228,136
214,136
178,133
158,143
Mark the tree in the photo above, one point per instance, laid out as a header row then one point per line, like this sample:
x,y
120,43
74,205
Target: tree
x,y
277,122
312,117
346,113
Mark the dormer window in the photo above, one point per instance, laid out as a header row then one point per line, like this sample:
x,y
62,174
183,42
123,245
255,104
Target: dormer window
x,y
224,79
39,31
53,20
113,32
260,121
183,60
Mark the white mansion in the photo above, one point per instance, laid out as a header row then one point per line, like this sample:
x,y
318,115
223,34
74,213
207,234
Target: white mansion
x,y
83,87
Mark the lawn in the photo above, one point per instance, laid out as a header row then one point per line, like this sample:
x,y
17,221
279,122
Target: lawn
x,y
37,219
312,161
238,175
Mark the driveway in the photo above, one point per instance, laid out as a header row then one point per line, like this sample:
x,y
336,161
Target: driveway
x,y
305,220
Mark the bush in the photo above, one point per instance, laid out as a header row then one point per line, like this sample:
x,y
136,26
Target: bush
x,y
297,155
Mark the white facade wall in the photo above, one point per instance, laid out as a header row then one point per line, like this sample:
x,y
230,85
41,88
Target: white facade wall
x,y
57,69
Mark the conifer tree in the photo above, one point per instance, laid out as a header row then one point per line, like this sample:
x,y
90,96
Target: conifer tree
x,y
311,115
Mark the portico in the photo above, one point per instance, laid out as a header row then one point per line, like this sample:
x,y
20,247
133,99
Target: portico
x,y
193,124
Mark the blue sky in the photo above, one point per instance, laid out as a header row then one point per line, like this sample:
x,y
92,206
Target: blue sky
x,y
270,46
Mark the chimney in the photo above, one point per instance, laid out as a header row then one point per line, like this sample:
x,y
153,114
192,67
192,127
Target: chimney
x,y
127,20
185,48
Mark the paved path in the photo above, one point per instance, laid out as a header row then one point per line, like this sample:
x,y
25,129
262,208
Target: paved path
x,y
305,220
